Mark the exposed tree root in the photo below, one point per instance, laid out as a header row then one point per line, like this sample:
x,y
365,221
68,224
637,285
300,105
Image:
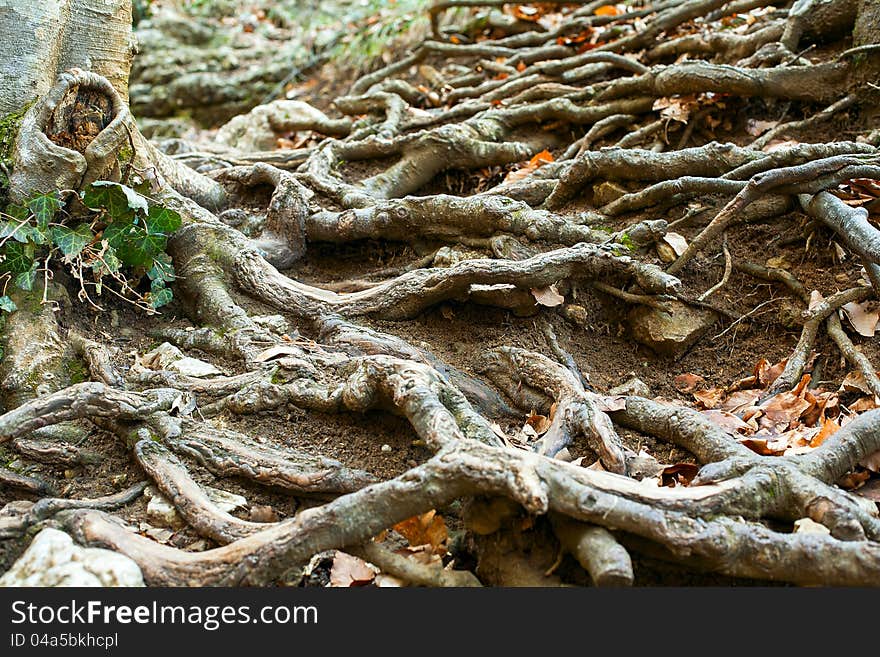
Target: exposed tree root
x,y
584,224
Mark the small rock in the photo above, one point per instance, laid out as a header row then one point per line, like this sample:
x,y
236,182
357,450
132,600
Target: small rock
x,y
162,356
810,526
160,534
448,256
670,333
666,252
275,323
386,448
226,501
263,513
168,357
160,511
52,559
632,386
564,455
193,367
606,192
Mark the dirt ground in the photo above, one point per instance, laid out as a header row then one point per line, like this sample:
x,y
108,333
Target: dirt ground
x,y
755,324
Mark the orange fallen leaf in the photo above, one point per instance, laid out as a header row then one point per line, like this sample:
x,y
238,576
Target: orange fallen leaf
x,y
687,382
740,400
829,427
709,398
763,446
785,407
607,10
540,423
679,474
426,529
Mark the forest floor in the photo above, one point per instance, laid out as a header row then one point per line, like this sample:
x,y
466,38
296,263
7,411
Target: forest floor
x,y
753,325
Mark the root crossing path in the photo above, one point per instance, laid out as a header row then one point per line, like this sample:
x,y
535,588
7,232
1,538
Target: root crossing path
x,y
572,293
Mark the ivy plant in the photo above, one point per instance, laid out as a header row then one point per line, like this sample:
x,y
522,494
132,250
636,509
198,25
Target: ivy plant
x,y
117,243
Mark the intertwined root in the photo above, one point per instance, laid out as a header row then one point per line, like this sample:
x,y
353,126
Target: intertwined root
x,y
533,243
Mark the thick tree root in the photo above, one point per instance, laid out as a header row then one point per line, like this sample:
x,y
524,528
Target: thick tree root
x,y
521,93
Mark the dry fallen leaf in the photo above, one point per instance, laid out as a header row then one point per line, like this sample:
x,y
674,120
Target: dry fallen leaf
x,y
864,404
757,127
709,398
872,462
728,421
676,109
855,382
680,474
607,10
540,423
676,242
687,382
348,570
785,407
276,352
829,427
547,296
426,529
538,160
765,446
863,317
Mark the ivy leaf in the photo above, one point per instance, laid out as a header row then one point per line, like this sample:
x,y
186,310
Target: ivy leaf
x,y
7,304
162,270
120,201
19,257
20,232
160,297
162,221
72,242
18,212
116,234
137,248
38,235
44,207
25,280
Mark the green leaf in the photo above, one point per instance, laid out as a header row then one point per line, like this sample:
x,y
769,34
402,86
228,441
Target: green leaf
x,y
120,201
18,212
162,221
7,304
20,232
44,207
72,242
162,270
19,257
25,280
116,234
138,247
39,235
160,298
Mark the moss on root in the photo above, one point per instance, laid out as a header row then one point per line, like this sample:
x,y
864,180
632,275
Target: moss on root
x,y
9,125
